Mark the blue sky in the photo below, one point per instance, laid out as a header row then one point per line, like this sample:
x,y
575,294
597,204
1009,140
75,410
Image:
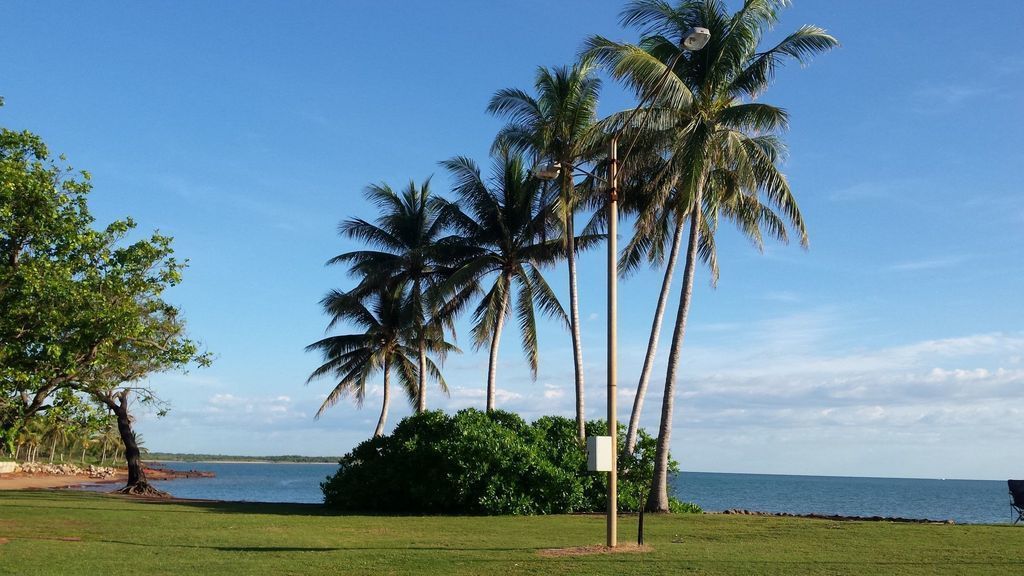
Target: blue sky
x,y
247,131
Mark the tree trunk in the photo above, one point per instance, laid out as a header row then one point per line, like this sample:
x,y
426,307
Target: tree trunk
x,y
53,448
103,458
421,400
652,342
574,308
137,483
492,365
387,399
657,500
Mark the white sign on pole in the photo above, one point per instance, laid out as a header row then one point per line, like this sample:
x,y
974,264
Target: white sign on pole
x,y
599,453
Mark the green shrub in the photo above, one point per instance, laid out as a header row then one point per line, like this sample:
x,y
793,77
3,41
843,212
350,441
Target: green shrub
x,y
479,463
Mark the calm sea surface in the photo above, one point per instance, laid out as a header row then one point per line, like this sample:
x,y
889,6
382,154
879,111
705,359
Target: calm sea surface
x,y
965,501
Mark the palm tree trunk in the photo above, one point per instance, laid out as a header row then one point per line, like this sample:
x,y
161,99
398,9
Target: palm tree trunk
x,y
53,448
421,393
421,400
652,342
492,365
574,320
387,399
657,500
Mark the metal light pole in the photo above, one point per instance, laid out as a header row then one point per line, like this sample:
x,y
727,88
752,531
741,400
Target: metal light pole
x,y
613,333
694,40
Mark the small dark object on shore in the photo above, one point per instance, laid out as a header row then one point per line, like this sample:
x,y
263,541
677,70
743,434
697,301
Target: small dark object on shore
x,y
171,474
743,512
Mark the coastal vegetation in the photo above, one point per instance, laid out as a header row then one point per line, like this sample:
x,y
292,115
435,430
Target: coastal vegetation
x,y
720,144
72,429
69,533
284,459
85,321
82,315
702,148
478,462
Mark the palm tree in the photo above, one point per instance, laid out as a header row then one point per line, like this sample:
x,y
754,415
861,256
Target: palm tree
x,y
660,223
406,239
109,435
389,343
725,141
658,227
504,225
557,126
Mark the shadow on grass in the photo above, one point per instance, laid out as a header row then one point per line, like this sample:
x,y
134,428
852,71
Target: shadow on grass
x,y
69,500
326,548
229,548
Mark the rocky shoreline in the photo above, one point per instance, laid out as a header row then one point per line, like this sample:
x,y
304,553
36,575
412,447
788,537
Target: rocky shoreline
x,y
742,512
157,472
38,475
91,471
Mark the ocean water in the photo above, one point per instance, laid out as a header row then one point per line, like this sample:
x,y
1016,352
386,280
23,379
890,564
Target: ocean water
x,y
963,501
262,482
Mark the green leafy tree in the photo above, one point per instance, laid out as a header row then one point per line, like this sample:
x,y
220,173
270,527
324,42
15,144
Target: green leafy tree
x,y
723,132
80,310
389,343
146,336
504,225
557,126
476,462
48,328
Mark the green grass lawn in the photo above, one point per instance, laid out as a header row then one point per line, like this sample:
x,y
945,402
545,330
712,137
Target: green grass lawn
x,y
66,533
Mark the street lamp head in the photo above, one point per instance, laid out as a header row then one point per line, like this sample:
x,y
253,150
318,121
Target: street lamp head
x,y
696,39
547,171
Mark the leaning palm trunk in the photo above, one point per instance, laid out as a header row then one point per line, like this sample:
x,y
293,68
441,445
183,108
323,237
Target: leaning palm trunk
x,y
492,365
657,500
652,343
387,400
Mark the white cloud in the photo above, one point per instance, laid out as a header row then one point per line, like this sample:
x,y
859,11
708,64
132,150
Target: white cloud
x,y
552,392
875,190
928,264
784,296
945,98
954,394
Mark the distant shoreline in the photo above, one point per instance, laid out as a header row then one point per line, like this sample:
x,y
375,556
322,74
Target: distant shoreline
x,y
254,461
157,456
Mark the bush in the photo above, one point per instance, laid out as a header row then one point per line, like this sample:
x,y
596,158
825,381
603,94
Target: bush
x,y
479,463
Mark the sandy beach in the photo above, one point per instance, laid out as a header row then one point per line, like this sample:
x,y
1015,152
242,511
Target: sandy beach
x,y
20,481
23,481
